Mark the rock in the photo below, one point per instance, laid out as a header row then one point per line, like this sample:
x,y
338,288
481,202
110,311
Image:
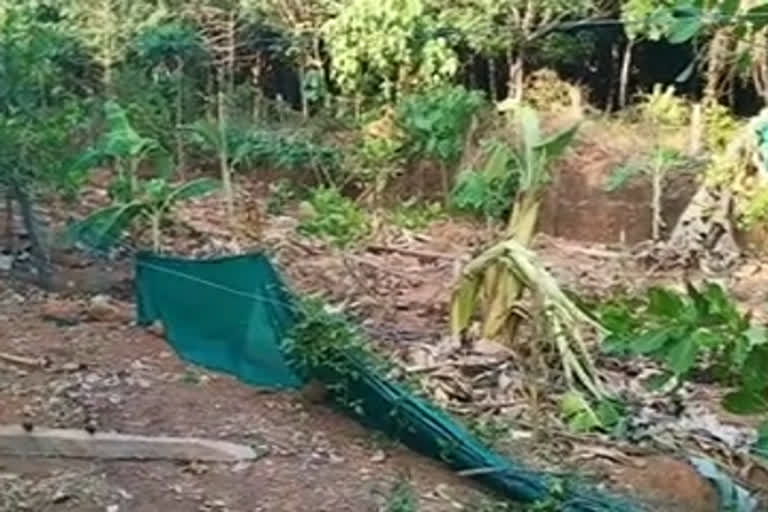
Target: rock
x,y
61,311
379,456
667,482
102,308
6,263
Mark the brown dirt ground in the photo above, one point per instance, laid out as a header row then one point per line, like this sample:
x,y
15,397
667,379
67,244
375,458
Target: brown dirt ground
x,y
123,378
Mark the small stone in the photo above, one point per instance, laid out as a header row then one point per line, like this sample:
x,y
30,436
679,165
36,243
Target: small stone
x,y
379,456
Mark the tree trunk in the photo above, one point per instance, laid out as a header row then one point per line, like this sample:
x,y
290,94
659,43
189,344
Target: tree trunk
x,y
492,81
301,71
181,160
39,246
716,64
657,221
155,221
696,132
626,68
515,83
226,172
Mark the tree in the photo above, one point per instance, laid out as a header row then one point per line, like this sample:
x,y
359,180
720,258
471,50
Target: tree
x,y
386,47
642,19
108,27
37,112
171,48
301,21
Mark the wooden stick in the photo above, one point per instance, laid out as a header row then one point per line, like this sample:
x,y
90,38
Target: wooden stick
x,y
24,361
413,252
43,442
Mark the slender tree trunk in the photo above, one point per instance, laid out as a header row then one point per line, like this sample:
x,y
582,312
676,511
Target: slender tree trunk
x,y
657,221
716,64
696,131
515,84
226,171
9,224
39,247
301,70
492,80
626,68
155,222
181,159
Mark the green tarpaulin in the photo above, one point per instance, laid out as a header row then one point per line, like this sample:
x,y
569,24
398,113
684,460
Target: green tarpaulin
x,y
228,314
232,315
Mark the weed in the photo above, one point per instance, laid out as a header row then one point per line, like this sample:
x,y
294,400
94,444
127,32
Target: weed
x,y
701,329
415,216
402,497
330,215
490,191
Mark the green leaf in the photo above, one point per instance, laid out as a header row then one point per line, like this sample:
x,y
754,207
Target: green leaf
x,y
757,335
192,189
554,146
753,375
657,382
578,413
102,229
746,402
685,28
700,302
682,355
758,16
651,342
729,7
663,302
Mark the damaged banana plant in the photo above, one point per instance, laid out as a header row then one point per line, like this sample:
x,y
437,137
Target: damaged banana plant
x,y
493,283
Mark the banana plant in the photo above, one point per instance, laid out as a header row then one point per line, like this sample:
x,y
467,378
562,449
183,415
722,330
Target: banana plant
x,y
127,150
104,228
496,290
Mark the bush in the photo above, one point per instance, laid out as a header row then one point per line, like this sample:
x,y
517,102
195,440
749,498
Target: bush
x,y
436,121
330,215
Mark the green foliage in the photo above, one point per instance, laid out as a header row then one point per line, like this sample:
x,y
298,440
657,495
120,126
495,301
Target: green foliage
x,y
490,191
41,118
124,148
700,328
152,201
664,109
534,153
581,416
385,47
414,215
662,161
245,145
436,121
132,197
172,44
328,214
402,498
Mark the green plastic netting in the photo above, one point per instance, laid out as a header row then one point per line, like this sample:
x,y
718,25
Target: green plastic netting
x,y
232,315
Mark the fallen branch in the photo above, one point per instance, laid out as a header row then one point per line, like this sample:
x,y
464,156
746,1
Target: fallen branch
x,y
413,252
42,442
21,360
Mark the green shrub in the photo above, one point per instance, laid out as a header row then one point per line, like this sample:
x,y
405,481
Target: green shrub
x,y
328,214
